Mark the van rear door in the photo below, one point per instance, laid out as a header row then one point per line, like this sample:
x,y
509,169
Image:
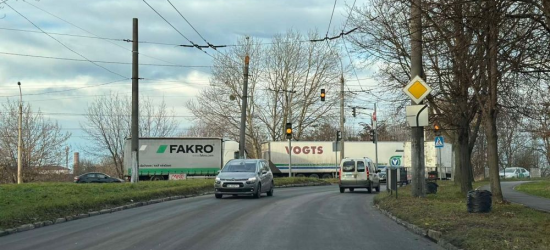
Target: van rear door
x,y
348,173
362,178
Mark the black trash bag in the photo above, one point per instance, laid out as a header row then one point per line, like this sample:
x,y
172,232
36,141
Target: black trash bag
x,y
479,201
431,187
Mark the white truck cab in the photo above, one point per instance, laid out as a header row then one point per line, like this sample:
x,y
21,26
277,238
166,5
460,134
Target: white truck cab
x,y
358,173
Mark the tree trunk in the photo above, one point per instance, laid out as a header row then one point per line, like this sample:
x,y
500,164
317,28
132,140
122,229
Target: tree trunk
x,y
465,163
457,174
492,156
491,104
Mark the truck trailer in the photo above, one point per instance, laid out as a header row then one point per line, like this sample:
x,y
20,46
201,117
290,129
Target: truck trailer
x,y
179,158
319,159
441,159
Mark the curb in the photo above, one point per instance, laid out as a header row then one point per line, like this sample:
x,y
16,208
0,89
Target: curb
x,y
432,235
27,227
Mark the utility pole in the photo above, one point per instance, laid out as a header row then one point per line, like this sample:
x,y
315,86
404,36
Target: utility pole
x,y
242,139
417,133
375,138
67,157
135,103
342,117
19,142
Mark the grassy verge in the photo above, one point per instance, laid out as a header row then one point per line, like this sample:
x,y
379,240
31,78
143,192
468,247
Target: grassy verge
x,y
302,180
508,226
35,202
540,188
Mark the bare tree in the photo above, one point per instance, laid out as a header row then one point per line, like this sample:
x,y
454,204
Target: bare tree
x,y
108,124
284,86
43,142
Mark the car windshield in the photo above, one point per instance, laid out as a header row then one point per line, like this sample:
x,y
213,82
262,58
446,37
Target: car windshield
x,y
240,167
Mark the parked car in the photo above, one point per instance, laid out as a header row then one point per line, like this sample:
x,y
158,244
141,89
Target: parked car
x,y
244,177
383,174
96,178
514,173
358,173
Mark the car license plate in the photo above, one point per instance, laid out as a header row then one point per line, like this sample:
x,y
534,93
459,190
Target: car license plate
x,y
233,185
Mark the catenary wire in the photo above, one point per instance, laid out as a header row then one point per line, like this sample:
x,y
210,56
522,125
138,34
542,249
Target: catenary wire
x,y
67,47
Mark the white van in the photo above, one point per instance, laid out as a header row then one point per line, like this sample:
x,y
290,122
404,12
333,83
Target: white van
x,y
358,173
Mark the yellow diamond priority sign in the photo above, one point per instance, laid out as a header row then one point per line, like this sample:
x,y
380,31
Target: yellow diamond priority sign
x,y
417,89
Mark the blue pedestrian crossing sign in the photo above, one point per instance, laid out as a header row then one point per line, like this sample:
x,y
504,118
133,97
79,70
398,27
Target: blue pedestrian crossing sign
x,y
395,161
439,142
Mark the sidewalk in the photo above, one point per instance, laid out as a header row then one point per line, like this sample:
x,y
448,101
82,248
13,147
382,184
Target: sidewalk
x,y
514,196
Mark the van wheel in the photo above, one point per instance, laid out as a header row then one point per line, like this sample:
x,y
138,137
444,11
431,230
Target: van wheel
x,y
327,176
218,196
369,189
300,175
342,190
351,189
314,176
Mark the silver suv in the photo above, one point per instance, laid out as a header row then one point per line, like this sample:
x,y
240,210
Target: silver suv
x,y
244,177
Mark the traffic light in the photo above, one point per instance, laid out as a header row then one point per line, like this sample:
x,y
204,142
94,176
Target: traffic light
x,y
322,95
372,135
288,130
353,111
437,129
338,135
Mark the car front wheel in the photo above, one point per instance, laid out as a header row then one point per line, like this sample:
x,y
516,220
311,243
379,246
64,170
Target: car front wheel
x,y
270,192
258,193
218,196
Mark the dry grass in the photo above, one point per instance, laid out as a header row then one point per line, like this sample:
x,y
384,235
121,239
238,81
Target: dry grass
x,y
508,226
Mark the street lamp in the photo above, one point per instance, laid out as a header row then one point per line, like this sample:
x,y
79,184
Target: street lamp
x,y
19,178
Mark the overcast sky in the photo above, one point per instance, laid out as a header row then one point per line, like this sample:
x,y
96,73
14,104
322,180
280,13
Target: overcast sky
x,y
219,22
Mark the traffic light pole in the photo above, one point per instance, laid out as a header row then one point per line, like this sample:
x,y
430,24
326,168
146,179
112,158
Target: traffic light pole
x,y
289,157
375,139
342,116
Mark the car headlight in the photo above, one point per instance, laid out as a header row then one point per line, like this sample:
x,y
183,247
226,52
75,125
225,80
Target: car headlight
x,y
218,180
251,180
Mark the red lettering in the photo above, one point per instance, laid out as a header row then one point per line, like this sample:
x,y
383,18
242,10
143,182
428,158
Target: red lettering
x,y
306,150
287,151
297,150
320,150
313,149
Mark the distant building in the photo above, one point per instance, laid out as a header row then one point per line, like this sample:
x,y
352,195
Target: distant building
x,y
53,170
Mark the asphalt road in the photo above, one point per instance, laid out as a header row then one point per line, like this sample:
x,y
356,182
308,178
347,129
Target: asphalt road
x,y
509,192
314,218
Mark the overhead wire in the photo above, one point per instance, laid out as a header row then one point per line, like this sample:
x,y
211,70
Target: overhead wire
x,y
89,32
346,47
179,32
347,19
331,15
98,115
67,47
204,39
71,89
106,62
